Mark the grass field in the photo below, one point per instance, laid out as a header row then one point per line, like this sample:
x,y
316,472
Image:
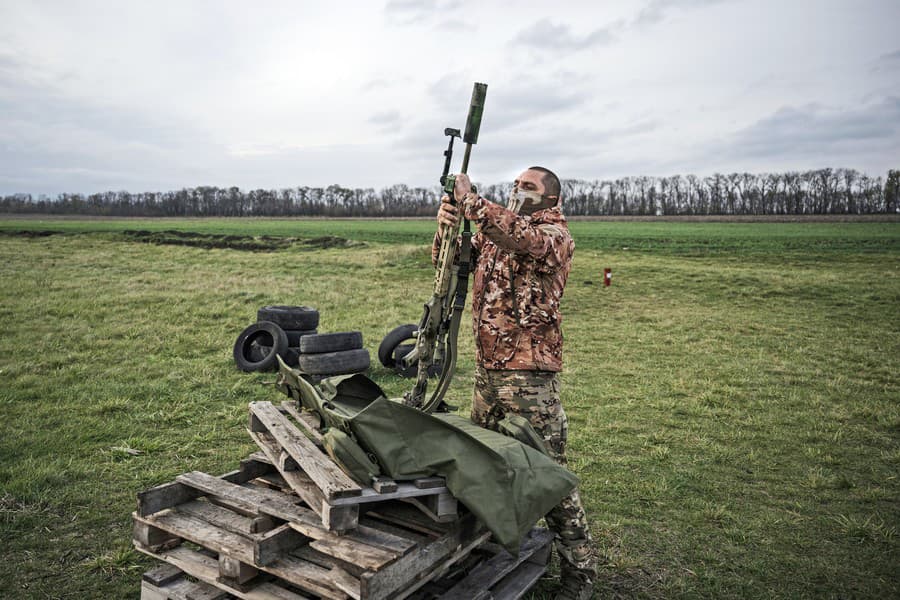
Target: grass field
x,y
733,396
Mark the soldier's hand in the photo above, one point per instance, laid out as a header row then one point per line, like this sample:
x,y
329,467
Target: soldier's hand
x,y
448,214
463,187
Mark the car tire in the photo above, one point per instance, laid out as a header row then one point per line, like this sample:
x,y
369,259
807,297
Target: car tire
x,y
331,342
290,317
334,363
250,346
294,335
393,339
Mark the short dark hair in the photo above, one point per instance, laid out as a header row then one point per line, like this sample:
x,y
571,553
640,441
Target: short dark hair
x,y
552,186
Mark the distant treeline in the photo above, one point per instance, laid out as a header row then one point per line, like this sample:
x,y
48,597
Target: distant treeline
x,y
823,191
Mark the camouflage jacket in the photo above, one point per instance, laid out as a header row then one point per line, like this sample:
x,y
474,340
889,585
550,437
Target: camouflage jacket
x,y
521,265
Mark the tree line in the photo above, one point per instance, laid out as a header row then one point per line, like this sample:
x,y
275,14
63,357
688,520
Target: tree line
x,y
816,192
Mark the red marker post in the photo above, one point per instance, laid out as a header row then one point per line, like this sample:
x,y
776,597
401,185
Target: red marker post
x,y
607,277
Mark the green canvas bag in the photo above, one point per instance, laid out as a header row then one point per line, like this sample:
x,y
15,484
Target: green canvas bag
x,y
508,485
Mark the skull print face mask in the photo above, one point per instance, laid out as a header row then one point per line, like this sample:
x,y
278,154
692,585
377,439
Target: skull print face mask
x,y
526,202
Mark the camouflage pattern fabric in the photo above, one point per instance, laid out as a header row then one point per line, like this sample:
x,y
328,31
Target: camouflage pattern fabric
x,y
521,264
535,396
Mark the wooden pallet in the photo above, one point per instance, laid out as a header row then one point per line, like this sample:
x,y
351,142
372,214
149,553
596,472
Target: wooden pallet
x,y
290,524
294,448
234,532
488,573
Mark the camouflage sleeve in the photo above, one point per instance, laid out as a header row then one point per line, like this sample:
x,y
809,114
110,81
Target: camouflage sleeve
x,y
547,243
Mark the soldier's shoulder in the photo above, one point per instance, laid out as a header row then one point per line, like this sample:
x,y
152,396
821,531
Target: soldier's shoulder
x,y
555,225
554,229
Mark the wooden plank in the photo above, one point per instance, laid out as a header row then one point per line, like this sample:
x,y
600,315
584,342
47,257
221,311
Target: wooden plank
x,y
334,518
517,583
541,556
199,590
257,456
368,557
440,507
152,536
407,534
424,483
206,569
386,540
396,576
439,570
200,532
494,569
333,482
309,422
261,524
297,480
258,500
271,546
164,496
161,575
404,489
235,572
327,562
345,547
340,518
171,494
302,574
219,516
384,485
404,515
181,588
335,583
151,592
274,481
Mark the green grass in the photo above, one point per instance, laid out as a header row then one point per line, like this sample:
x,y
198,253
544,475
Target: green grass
x,y
733,396
690,238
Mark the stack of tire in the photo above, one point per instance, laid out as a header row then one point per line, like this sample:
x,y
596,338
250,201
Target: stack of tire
x,y
399,342
291,333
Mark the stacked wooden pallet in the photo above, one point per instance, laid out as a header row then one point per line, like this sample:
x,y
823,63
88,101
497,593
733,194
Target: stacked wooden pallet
x,y
289,524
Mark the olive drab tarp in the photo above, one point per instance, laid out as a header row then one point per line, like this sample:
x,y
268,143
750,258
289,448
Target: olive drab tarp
x,y
508,485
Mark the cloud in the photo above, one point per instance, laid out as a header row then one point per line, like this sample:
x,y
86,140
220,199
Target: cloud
x,y
545,35
387,118
887,62
54,141
891,57
548,93
456,25
410,12
814,128
656,10
379,83
813,136
511,106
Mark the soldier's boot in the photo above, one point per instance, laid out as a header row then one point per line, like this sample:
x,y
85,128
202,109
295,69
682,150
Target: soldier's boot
x,y
577,568
575,585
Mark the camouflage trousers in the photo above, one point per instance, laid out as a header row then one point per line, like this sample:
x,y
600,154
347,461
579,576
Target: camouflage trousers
x,y
535,396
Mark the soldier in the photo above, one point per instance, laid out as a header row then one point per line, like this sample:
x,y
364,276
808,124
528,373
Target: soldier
x,y
521,256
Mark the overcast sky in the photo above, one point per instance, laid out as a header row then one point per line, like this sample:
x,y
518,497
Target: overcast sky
x,y
154,96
